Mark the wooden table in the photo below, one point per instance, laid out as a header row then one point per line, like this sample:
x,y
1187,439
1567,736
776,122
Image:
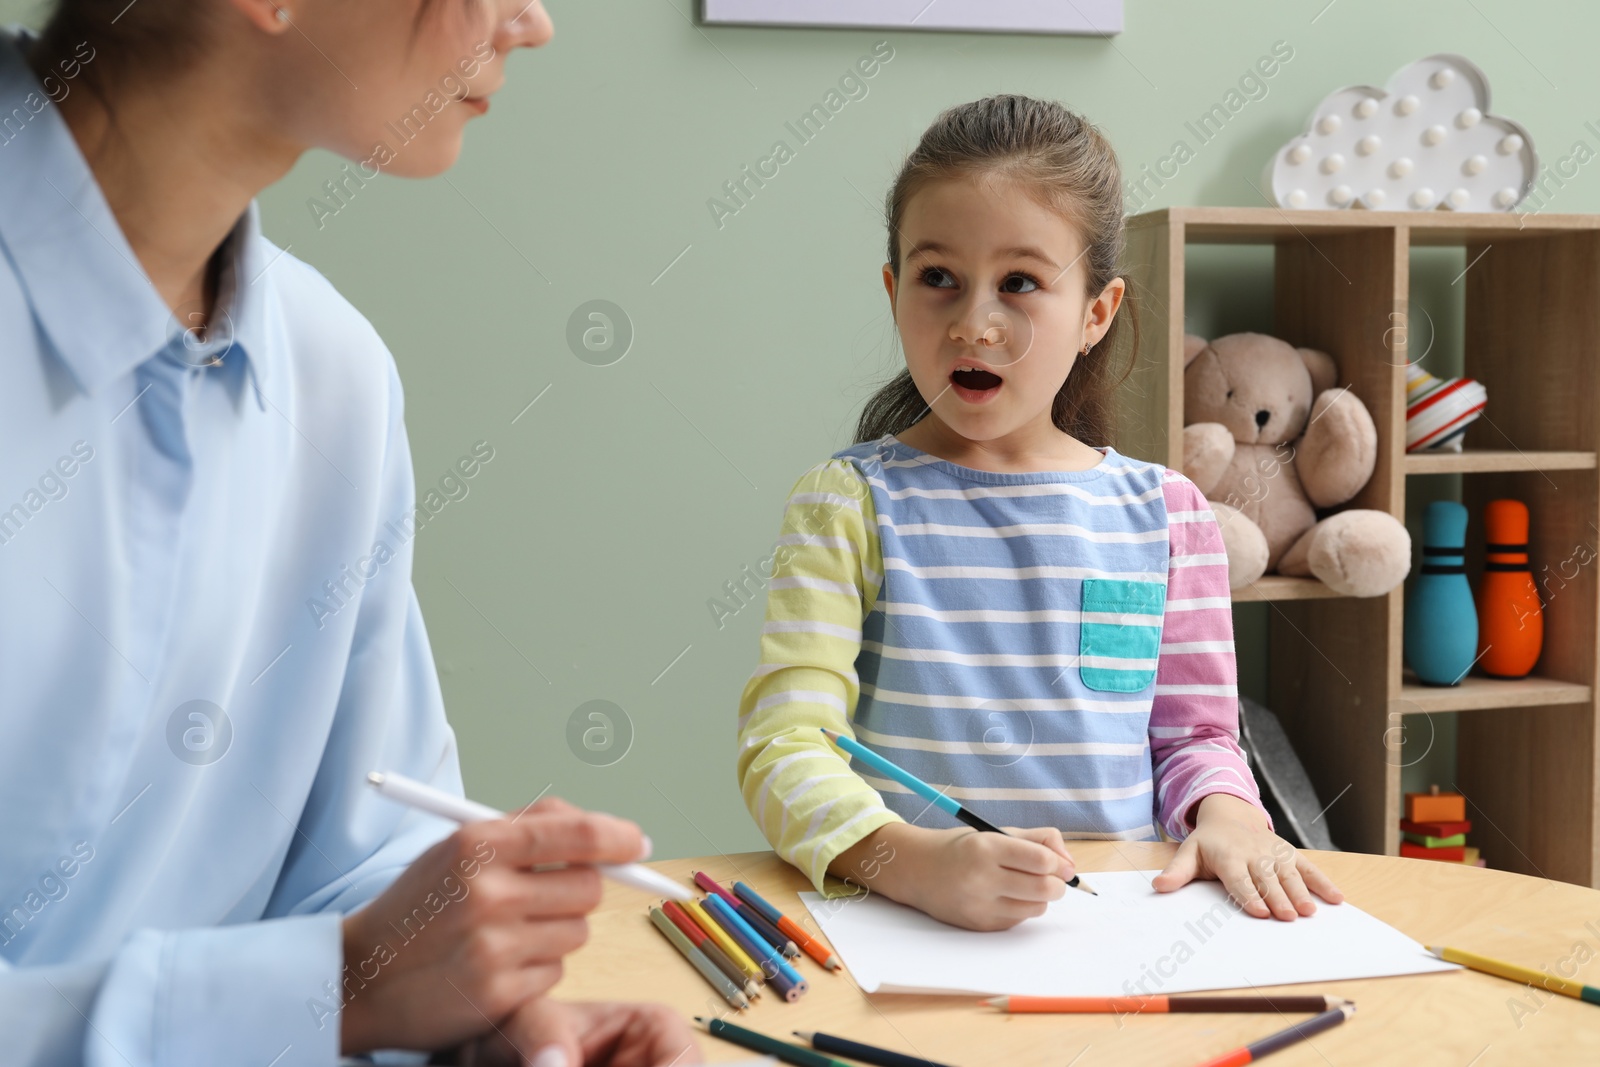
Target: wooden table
x,y
1457,1019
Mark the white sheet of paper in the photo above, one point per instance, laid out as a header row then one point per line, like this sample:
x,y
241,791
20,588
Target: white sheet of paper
x,y
1129,940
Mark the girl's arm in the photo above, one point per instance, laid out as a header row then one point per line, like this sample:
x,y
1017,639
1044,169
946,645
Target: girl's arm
x,y
1194,717
826,571
1206,796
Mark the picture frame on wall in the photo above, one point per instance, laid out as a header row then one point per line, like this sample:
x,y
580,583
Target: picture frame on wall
x,y
1099,18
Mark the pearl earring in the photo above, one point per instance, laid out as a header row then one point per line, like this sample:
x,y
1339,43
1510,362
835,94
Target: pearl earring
x,y
283,16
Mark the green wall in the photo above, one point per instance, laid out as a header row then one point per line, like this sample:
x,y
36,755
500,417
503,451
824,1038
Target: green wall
x,y
581,563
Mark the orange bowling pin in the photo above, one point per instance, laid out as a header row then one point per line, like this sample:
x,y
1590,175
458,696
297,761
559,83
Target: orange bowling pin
x,y
1510,617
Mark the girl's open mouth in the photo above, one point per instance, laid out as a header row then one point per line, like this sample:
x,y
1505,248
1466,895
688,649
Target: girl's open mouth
x,y
974,385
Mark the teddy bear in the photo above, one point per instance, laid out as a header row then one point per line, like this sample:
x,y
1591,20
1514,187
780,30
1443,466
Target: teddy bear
x,y
1268,440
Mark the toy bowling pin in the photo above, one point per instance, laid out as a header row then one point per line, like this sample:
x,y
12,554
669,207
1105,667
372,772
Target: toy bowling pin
x,y
1441,627
1510,618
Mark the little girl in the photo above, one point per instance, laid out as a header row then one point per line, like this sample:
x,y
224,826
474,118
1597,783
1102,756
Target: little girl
x,y
1040,627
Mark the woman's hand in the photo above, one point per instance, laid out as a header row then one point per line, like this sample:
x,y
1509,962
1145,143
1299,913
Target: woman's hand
x,y
1260,870
470,931
981,881
549,1033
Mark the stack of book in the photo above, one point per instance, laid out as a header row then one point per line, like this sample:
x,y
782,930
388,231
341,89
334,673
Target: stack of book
x,y
1436,828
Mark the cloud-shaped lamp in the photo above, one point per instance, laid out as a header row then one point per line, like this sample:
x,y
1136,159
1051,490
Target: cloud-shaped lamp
x,y
1425,141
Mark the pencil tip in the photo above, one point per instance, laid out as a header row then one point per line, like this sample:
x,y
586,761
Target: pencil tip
x,y
995,1002
375,777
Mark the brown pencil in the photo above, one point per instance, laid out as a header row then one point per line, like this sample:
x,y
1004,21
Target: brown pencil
x,y
1165,1004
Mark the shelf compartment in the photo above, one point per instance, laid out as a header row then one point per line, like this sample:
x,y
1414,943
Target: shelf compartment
x,y
1281,587
1477,693
1496,460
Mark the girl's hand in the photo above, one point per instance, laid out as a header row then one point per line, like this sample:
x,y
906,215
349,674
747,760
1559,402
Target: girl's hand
x,y
470,930
960,876
548,1033
1260,870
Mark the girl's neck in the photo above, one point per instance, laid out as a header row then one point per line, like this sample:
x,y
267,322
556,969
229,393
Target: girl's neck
x,y
1028,449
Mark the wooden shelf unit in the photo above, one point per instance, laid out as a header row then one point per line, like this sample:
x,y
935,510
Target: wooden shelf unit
x,y
1487,460
1527,753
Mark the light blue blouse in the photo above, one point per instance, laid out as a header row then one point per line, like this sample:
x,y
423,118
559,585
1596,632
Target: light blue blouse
x,y
208,635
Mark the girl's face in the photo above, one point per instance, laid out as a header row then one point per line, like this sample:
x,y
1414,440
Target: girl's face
x,y
991,307
392,84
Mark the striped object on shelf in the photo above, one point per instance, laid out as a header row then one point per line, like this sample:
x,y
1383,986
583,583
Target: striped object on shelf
x,y
1438,410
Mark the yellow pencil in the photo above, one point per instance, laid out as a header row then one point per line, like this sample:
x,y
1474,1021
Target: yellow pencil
x,y
1517,973
727,944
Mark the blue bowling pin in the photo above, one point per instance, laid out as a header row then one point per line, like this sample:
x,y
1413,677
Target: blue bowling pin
x,y
1441,625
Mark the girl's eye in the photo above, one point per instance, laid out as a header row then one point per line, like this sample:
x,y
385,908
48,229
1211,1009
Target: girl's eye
x,y
932,275
1032,282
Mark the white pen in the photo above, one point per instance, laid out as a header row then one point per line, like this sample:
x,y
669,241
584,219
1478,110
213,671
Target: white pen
x,y
399,788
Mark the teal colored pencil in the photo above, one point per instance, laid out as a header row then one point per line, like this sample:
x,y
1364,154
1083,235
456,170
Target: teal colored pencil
x,y
936,797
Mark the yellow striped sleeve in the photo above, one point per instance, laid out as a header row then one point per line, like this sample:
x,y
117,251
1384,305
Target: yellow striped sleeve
x,y
825,579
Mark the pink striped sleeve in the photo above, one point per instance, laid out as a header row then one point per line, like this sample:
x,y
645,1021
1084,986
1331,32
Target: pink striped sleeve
x,y
1194,717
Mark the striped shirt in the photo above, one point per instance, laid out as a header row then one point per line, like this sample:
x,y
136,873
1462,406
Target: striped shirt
x,y
1052,648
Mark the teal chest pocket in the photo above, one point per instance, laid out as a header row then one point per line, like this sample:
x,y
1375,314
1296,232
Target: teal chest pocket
x,y
1120,633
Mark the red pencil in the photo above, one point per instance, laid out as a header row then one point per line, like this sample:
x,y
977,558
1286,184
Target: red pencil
x,y
1283,1038
709,884
702,941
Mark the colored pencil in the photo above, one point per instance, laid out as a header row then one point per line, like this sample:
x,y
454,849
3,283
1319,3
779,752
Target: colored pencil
x,y
783,1050
769,933
753,947
702,941
731,948
1155,1005
420,795
718,980
1283,1038
936,797
785,977
709,884
881,1057
812,947
808,944
1517,973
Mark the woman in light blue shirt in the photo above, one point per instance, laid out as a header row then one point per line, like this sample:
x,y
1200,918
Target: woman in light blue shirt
x,y
209,633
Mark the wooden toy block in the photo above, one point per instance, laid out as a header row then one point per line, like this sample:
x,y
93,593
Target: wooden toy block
x,y
1417,852
1436,829
1434,806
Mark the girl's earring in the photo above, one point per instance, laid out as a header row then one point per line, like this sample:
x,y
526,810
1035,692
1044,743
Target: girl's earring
x,y
283,15
1085,351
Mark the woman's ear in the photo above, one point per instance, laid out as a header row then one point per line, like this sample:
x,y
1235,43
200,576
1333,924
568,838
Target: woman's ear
x,y
888,285
269,16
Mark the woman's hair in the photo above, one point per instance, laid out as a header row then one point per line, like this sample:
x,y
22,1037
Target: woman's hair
x,y
149,35
1061,159
145,38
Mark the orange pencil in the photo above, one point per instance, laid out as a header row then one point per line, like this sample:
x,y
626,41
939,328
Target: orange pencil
x,y
808,944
